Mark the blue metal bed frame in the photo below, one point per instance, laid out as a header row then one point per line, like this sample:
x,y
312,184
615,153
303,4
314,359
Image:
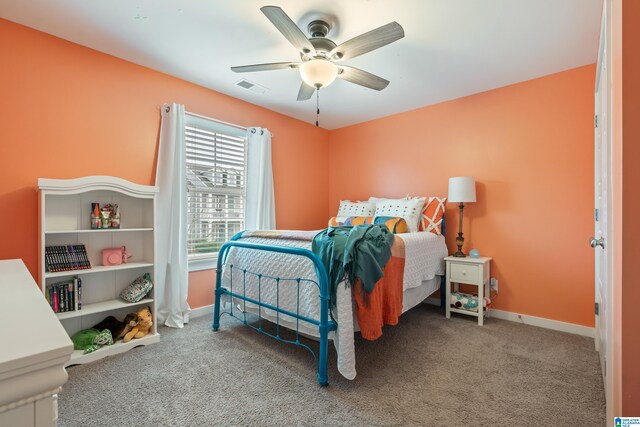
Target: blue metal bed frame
x,y
325,324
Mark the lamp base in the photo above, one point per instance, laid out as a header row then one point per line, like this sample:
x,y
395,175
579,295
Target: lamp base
x,y
459,243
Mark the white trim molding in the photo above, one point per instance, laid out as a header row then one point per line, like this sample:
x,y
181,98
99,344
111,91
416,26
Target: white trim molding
x,y
98,182
201,311
204,263
525,319
540,322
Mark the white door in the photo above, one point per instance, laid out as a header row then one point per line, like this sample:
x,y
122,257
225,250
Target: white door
x,y
598,242
602,215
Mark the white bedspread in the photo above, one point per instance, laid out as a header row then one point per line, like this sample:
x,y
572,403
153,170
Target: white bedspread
x,y
424,259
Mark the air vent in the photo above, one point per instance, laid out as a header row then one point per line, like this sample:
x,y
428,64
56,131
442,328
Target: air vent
x,y
245,84
253,87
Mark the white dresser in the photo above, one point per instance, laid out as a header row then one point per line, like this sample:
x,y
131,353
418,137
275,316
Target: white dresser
x,y
34,348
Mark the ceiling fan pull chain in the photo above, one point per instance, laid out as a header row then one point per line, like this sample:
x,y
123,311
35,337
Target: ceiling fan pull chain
x,y
317,105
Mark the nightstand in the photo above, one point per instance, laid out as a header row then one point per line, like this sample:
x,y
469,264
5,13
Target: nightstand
x,y
468,271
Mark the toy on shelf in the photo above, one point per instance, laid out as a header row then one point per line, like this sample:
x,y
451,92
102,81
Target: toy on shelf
x,y
106,217
145,322
115,256
118,329
138,289
91,340
95,216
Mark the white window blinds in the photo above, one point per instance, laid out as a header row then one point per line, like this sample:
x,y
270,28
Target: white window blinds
x,y
216,171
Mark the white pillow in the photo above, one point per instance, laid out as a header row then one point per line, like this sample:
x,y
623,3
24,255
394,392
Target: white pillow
x,y
349,208
410,210
377,200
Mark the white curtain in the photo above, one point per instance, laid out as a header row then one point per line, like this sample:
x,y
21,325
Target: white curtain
x,y
260,205
171,221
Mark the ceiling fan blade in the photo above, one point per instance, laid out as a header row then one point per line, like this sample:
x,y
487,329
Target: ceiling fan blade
x,y
288,28
362,78
305,92
368,41
264,67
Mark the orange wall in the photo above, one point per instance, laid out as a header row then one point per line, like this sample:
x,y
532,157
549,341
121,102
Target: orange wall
x,y
530,147
69,111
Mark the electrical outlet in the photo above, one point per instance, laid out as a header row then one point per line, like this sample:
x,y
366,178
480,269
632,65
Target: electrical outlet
x,y
494,284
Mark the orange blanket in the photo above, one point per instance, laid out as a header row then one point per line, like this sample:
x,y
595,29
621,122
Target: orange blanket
x,y
383,306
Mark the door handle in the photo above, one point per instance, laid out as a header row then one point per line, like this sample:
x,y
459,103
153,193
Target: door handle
x,y
597,242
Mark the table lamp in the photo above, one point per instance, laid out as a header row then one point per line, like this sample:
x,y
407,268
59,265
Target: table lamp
x,y
462,189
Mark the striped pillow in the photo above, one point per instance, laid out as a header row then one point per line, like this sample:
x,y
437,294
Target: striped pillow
x,y
350,220
395,225
432,213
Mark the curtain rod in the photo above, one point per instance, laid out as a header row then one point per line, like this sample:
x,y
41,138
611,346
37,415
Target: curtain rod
x,y
215,120
167,107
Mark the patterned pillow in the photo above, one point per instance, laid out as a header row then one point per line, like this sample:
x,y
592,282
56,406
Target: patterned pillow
x,y
138,289
349,208
377,200
469,302
394,224
410,210
350,220
431,216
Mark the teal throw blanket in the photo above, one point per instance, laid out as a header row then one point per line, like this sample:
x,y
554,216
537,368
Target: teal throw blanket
x,y
353,252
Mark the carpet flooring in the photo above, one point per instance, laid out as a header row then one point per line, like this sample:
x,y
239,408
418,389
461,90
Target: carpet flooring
x,y
427,371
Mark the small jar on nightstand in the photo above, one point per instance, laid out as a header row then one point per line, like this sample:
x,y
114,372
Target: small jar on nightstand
x,y
468,271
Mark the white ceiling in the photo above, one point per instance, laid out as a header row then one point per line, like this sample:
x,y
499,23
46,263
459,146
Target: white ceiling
x,y
452,48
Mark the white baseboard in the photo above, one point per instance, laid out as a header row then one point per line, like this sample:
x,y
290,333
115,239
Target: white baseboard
x,y
201,311
556,325
540,322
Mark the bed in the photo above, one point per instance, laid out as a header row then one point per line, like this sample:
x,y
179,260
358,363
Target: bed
x,y
275,277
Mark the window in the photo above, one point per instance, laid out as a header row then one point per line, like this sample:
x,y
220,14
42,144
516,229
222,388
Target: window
x,y
216,171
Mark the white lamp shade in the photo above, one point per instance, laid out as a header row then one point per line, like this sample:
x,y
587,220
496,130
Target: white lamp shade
x,y
462,189
318,72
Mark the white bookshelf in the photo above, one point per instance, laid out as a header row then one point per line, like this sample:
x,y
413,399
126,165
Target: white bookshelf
x,y
99,269
111,230
103,306
77,357
64,207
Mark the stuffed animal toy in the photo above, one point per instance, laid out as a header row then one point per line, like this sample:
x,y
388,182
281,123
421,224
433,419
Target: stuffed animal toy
x,y
118,329
130,321
90,340
145,322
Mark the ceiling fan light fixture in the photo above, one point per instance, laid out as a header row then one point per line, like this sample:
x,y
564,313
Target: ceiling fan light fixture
x,y
318,72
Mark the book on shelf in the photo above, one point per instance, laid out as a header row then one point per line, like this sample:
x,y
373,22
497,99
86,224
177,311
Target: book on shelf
x,y
66,258
65,295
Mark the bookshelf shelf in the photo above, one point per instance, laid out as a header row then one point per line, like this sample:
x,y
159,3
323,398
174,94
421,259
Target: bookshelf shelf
x,y
65,208
105,230
98,269
102,306
77,357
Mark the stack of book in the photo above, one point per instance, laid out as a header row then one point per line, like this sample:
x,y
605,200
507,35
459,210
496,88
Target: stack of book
x,y
66,258
65,296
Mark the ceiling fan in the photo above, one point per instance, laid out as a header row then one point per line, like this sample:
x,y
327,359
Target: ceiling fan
x,y
321,58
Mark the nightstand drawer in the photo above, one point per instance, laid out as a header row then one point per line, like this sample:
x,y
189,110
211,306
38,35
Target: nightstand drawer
x,y
466,273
